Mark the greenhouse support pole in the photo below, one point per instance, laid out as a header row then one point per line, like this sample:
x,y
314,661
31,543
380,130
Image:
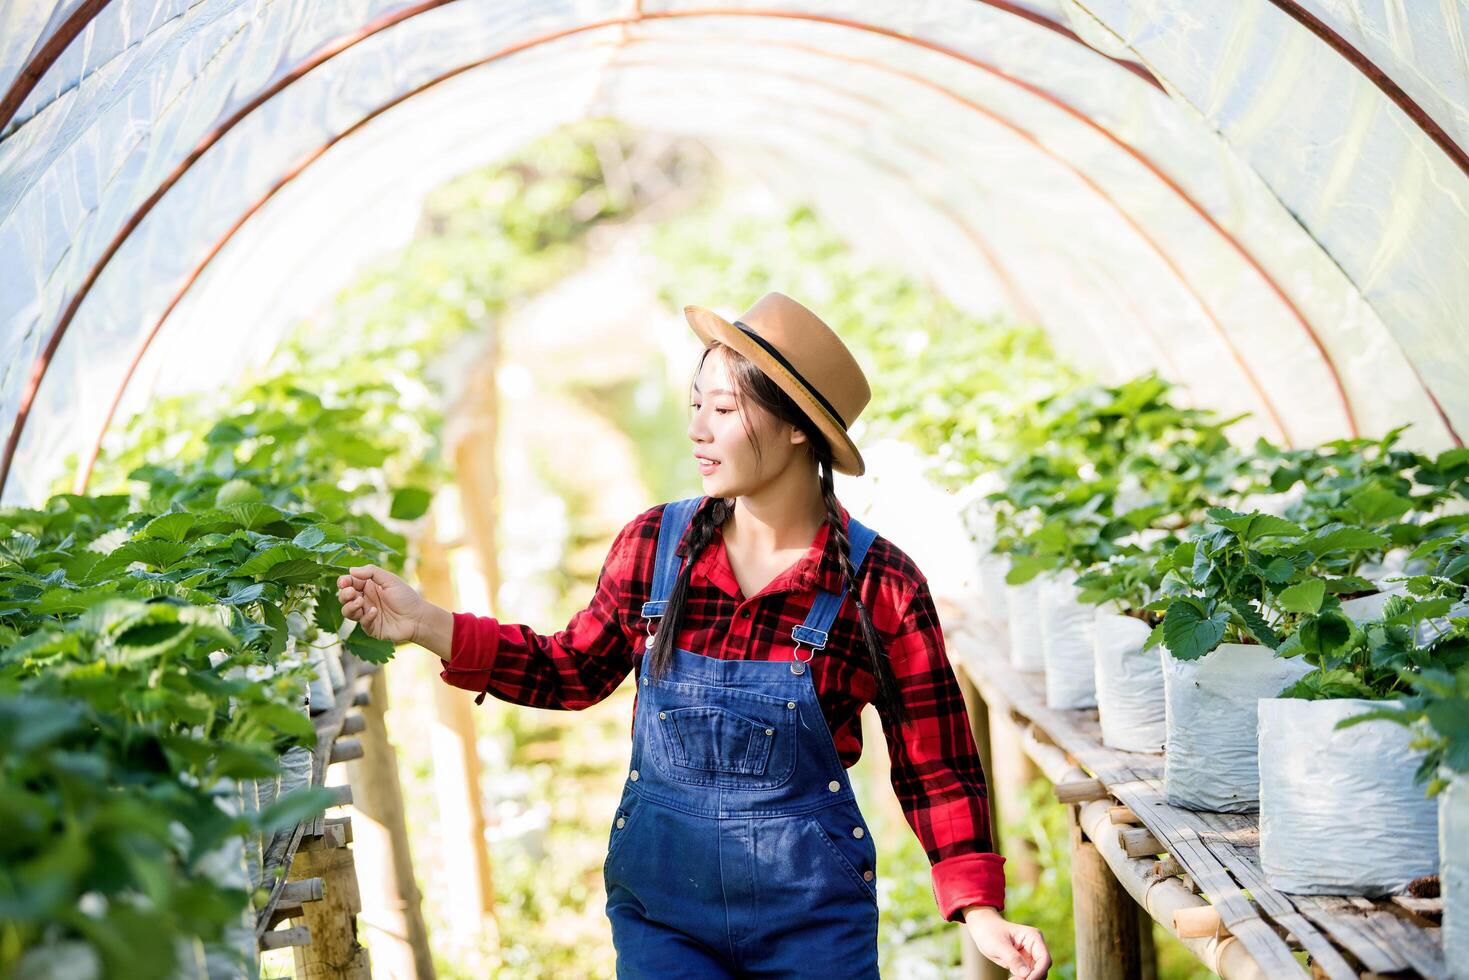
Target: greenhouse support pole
x,y
457,771
974,964
392,907
474,445
1107,942
1013,772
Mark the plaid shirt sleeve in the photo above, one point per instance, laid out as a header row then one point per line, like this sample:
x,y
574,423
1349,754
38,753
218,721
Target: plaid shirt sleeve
x,y
936,770
570,669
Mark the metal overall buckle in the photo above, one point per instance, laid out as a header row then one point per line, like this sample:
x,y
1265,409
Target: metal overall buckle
x,y
648,645
798,666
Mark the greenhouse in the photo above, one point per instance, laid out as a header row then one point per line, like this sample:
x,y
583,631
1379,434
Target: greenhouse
x,y
1113,352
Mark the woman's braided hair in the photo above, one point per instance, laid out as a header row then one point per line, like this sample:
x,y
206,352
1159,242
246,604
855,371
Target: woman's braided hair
x,y
753,385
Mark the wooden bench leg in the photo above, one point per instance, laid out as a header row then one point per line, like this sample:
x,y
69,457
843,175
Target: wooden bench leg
x,y
1108,945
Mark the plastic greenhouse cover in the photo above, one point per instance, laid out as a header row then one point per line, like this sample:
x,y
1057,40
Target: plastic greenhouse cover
x,y
1221,192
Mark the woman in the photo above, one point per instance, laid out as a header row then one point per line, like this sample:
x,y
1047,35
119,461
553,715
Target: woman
x,y
738,845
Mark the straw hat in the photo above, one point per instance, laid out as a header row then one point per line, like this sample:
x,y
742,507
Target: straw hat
x,y
805,358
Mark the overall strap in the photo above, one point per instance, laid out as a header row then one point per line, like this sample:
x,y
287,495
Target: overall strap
x,y
813,632
677,515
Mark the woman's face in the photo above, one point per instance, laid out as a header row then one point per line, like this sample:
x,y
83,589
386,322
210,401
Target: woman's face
x,y
718,434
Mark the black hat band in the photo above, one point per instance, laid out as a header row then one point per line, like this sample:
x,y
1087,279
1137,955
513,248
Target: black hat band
x,y
780,359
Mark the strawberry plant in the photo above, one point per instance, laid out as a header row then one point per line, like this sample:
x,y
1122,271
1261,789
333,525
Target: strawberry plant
x,y
1435,703
1246,578
151,632
1110,462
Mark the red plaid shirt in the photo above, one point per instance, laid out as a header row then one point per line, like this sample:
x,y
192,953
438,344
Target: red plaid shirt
x,y
936,771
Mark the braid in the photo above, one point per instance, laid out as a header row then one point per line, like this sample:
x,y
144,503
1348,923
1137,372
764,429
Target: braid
x,y
707,518
887,699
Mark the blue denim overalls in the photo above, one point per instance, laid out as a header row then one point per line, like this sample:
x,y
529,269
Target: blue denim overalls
x,y
738,848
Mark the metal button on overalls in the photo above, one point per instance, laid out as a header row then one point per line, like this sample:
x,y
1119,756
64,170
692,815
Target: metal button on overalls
x,y
735,851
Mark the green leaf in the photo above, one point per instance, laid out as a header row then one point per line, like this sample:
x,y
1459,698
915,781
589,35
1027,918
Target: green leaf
x,y
1254,623
296,571
254,516
1277,570
1324,634
1253,526
1303,597
276,620
265,561
1188,633
1346,539
244,595
1335,682
224,433
29,722
410,503
1350,583
367,647
309,538
156,554
285,718
169,527
329,617
1399,715
1378,506
1450,718
297,806
1023,568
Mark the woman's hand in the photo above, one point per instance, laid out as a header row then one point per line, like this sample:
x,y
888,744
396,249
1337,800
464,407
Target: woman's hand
x,y
1019,949
386,606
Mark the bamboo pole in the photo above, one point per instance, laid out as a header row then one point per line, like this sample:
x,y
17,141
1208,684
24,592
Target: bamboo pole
x,y
974,965
1013,772
392,907
474,436
457,770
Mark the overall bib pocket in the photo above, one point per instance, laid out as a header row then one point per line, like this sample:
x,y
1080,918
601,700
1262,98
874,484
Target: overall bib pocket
x,y
727,738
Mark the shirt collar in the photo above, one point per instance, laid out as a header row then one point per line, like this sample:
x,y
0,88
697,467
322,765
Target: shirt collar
x,y
819,568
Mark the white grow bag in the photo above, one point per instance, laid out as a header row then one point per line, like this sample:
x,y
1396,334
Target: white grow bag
x,y
1453,873
1212,743
1066,643
1368,607
1023,612
992,570
1129,683
1340,811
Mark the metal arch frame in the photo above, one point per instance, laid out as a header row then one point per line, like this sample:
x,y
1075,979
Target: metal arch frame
x,y
920,151
313,60
58,42
1389,88
34,70
85,475
373,27
1221,333
964,227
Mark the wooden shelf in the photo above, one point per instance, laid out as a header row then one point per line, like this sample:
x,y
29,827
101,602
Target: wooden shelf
x,y
1347,937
